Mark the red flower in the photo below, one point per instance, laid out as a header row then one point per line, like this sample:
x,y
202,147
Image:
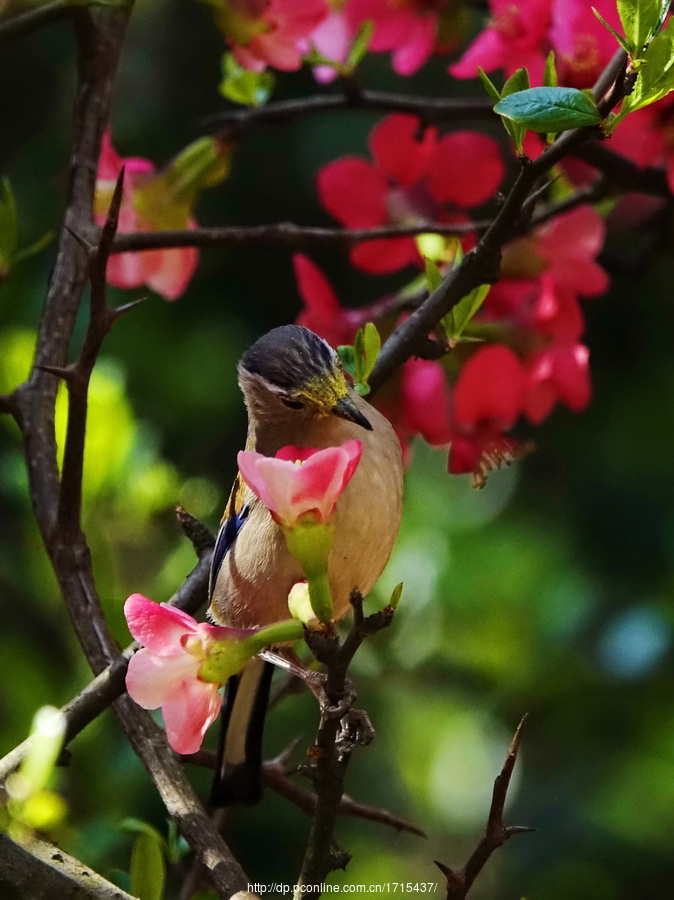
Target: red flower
x,y
560,372
411,181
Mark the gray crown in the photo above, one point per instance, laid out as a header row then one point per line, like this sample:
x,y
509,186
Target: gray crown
x,y
289,357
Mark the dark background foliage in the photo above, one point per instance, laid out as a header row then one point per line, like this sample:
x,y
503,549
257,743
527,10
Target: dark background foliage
x,y
547,593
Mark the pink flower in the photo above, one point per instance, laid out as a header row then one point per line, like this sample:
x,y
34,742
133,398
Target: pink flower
x,y
515,36
408,28
167,272
300,481
411,181
265,33
166,671
522,32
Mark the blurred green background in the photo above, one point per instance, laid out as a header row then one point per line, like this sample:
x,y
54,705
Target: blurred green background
x,y
549,593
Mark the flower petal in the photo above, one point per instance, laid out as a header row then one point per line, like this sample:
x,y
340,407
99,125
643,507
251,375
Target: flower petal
x,y
189,714
157,626
354,192
152,679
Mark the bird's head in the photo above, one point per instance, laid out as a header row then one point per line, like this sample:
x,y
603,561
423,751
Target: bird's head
x,y
291,372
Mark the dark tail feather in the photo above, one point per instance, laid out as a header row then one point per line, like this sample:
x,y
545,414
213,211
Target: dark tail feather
x,y
237,774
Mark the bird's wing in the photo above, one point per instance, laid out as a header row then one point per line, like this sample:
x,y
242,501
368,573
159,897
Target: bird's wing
x,y
235,515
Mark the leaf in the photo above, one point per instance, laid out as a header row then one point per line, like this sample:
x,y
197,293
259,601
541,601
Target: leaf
x,y
550,109
148,869
627,45
459,317
642,20
433,275
347,355
488,85
656,73
518,81
243,86
550,72
366,348
396,594
360,45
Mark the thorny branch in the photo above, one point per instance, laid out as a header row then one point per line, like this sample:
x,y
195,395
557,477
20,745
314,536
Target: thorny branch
x,y
459,882
340,729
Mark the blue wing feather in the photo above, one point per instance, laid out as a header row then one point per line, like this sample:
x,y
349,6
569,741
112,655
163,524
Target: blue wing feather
x,y
229,529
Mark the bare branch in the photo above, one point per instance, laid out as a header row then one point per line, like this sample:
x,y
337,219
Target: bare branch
x,y
459,882
42,871
429,109
285,234
24,23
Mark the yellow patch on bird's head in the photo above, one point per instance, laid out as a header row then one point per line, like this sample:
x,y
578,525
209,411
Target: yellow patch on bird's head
x,y
323,392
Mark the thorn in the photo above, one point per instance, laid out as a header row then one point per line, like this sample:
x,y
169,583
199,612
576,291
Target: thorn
x,y
120,311
66,374
454,880
512,830
286,755
513,750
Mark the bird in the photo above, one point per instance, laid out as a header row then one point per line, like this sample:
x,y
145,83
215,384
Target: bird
x,y
296,393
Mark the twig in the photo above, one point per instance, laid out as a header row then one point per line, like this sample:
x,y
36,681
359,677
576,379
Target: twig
x,y
459,882
27,22
285,234
275,776
429,109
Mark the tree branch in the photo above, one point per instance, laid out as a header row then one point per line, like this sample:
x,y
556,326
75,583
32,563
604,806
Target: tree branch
x,y
24,23
459,882
341,728
285,234
428,109
42,871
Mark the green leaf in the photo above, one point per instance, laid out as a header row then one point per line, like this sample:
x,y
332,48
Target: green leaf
x,y
433,275
347,355
550,72
360,45
243,86
366,348
459,317
488,85
656,73
148,868
518,81
627,45
396,595
550,109
641,19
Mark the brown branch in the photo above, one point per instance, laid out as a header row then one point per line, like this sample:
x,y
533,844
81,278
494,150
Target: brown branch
x,y
42,871
285,234
24,23
459,882
340,729
428,109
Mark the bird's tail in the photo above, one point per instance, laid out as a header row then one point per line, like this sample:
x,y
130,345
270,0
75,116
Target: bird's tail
x,y
237,773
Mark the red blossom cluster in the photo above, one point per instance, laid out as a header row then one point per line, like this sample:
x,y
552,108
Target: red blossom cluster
x,y
528,353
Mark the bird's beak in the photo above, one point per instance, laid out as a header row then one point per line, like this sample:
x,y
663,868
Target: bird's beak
x,y
346,409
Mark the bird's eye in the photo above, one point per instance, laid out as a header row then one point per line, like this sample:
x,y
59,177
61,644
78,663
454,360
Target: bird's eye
x,y
292,404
